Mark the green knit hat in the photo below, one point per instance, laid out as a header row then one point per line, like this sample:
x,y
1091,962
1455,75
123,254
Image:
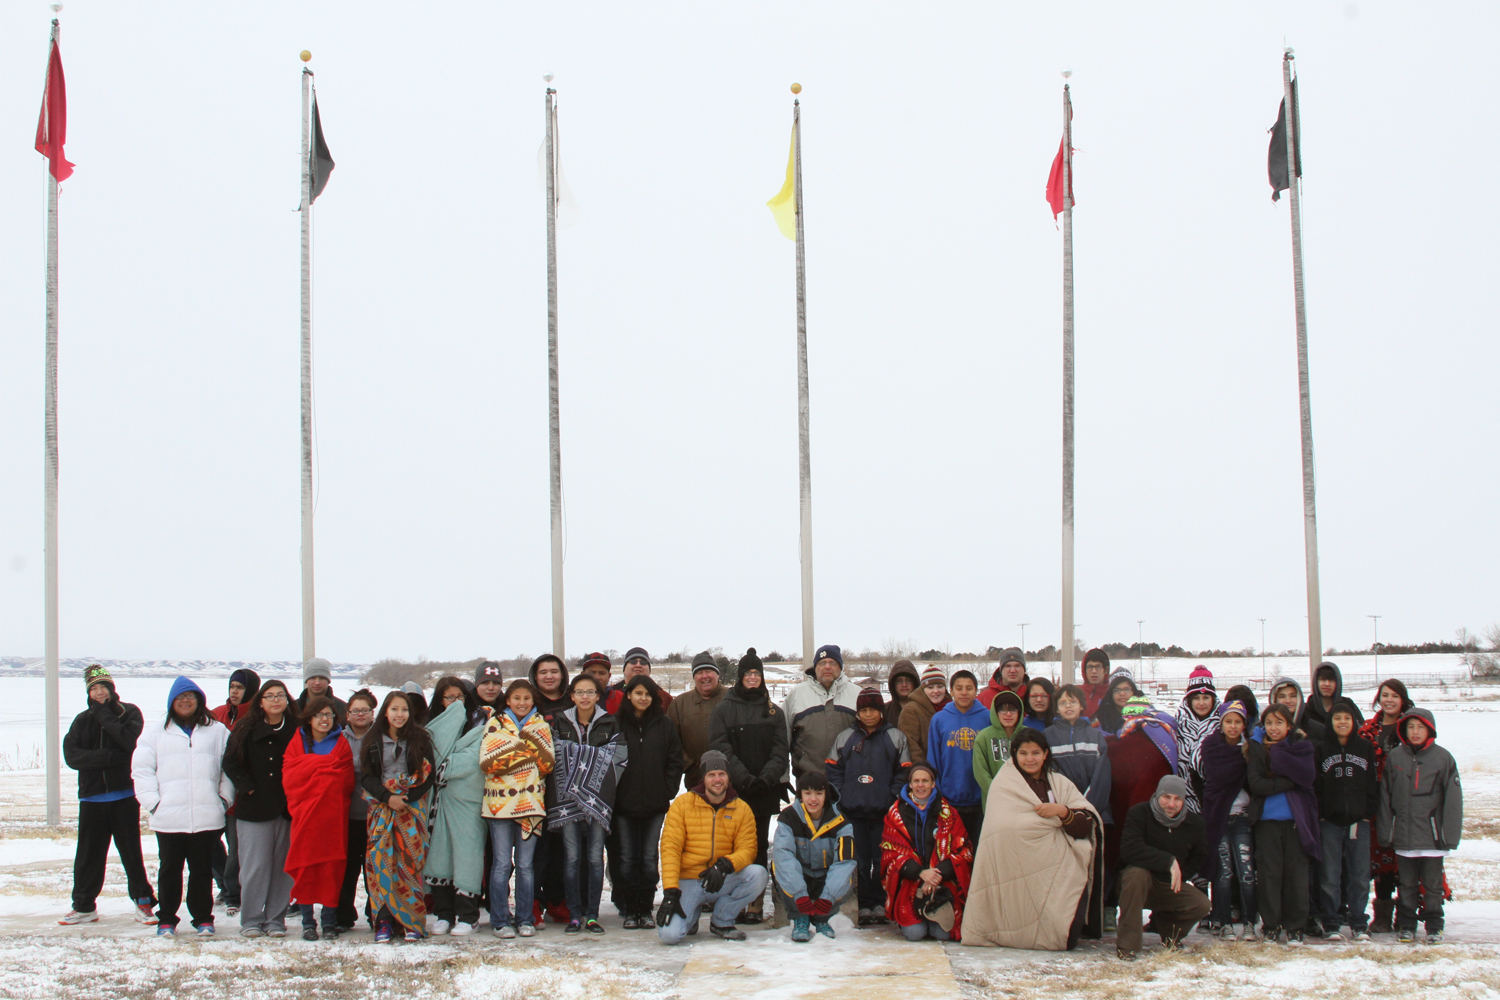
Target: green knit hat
x,y
96,673
1136,708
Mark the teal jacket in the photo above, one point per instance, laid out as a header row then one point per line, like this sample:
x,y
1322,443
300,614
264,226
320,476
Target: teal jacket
x,y
455,854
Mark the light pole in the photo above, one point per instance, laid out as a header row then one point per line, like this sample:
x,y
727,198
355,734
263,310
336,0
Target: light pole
x,y
1140,647
1375,620
1262,652
1023,636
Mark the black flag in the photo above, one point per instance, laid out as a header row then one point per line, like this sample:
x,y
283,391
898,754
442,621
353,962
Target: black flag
x,y
320,161
1276,157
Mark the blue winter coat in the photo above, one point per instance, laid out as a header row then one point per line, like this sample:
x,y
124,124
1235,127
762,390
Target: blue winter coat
x,y
804,850
950,749
868,769
1079,754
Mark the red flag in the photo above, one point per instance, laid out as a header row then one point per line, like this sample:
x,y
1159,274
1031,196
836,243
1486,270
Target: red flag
x,y
52,125
1055,184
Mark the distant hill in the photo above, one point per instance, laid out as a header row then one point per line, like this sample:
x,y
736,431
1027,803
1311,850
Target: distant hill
x,y
18,666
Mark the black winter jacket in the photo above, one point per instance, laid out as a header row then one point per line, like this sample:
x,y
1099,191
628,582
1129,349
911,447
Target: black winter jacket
x,y
99,746
1146,843
655,764
868,770
259,796
752,733
1346,785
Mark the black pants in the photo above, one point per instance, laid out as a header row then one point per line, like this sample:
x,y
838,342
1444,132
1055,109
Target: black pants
x,y
98,824
1281,876
1419,887
973,817
867,834
354,870
197,849
547,863
449,904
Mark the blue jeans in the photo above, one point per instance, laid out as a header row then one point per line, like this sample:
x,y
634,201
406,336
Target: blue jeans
x,y
739,890
1236,863
1346,874
582,904
505,838
640,845
923,929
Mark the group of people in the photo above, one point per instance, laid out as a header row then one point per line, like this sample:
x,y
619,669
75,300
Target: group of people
x,y
1012,812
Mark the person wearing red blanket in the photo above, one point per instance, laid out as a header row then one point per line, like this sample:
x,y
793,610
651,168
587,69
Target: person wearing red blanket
x,y
318,776
925,861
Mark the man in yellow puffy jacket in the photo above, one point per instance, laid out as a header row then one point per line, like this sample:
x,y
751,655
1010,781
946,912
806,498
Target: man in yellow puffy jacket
x,y
708,847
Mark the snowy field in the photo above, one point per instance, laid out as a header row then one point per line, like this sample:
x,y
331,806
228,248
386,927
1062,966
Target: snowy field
x,y
117,958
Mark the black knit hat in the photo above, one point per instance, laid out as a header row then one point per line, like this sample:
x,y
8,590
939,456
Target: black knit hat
x,y
704,661
488,670
750,661
637,653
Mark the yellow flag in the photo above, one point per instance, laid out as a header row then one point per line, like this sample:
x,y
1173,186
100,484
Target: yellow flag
x,y
784,205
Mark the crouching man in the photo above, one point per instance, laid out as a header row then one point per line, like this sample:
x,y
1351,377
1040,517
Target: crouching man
x,y
812,857
708,848
1161,848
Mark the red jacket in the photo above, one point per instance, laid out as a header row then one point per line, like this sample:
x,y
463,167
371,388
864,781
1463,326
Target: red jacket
x,y
994,687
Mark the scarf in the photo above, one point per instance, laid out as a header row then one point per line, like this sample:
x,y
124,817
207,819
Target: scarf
x,y
1191,732
1295,760
1169,784
1224,773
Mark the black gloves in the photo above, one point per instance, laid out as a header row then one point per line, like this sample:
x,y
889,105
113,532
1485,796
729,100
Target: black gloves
x,y
671,903
756,786
713,876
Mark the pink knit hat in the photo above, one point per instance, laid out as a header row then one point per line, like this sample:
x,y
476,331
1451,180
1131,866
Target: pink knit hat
x,y
1201,681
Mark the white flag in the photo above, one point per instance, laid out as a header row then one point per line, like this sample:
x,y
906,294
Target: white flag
x,y
567,208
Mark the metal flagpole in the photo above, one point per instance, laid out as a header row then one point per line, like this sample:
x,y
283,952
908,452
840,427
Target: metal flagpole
x,y
309,637
804,463
1067,492
54,735
1309,499
555,449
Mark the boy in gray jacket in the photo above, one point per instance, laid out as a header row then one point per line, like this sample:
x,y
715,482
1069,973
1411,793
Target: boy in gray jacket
x,y
1421,817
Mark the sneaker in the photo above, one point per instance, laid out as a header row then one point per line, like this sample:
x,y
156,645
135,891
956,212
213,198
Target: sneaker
x,y
1269,935
1226,933
750,917
205,930
631,922
414,935
232,910
574,926
646,922
1125,956
1361,937
878,914
505,932
730,933
461,929
866,917
1110,921
143,914
276,932
1205,926
332,933
166,930
1333,935
1434,937
527,930
439,927
384,933
823,927
310,934
251,932
1294,939
1406,936
74,917
801,929
593,926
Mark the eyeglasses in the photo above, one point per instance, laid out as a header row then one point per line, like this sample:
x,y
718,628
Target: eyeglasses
x,y
361,711
324,716
274,696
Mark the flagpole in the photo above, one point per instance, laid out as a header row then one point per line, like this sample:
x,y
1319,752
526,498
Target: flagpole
x,y
54,768
554,450
309,635
1309,497
804,462
1067,485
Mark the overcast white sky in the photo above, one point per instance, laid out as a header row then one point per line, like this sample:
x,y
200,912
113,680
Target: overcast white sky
x,y
934,325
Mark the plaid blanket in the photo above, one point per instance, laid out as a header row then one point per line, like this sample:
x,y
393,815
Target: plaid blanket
x,y
579,778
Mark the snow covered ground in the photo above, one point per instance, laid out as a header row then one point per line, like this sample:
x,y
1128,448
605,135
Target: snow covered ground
x,y
117,958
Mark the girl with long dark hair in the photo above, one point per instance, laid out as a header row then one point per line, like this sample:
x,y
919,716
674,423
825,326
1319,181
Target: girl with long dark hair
x,y
396,758
643,795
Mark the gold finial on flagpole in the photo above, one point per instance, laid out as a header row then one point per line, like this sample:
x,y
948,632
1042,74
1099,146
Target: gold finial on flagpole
x,y
796,88
306,56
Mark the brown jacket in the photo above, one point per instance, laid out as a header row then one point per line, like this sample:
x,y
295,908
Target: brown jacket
x,y
915,718
691,713
894,707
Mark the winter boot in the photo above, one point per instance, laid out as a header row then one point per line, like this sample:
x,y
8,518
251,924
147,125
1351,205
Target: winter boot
x,y
801,932
1383,910
821,926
